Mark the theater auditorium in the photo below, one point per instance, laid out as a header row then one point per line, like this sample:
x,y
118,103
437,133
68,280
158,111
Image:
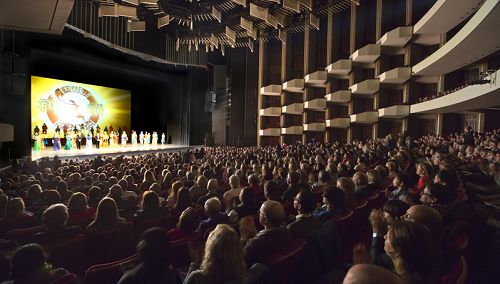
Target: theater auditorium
x,y
249,141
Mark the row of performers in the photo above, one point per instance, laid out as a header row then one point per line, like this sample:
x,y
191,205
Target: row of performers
x,y
74,140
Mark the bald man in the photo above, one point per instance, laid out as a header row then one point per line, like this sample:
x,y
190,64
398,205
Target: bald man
x,y
427,216
274,238
371,274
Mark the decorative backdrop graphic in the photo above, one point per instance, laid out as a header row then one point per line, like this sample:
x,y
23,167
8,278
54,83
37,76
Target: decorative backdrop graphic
x,y
66,104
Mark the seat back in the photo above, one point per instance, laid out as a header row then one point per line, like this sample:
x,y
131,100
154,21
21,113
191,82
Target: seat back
x,y
289,209
167,222
22,236
109,246
16,224
69,278
282,264
109,272
372,201
180,250
68,254
360,217
457,274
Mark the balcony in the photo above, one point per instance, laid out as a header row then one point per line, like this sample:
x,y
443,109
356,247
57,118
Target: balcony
x,y
340,68
316,79
315,127
270,132
340,122
367,117
316,104
292,130
271,90
395,112
296,108
367,54
397,75
443,16
270,111
398,37
477,39
469,98
339,97
294,86
365,88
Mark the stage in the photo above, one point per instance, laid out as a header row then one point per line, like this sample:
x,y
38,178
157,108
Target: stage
x,y
129,149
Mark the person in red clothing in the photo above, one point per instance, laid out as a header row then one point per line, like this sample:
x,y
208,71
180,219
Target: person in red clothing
x,y
188,222
78,209
253,182
424,170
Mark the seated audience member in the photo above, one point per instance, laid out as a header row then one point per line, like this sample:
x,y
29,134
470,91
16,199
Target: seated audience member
x,y
155,264
94,196
222,261
183,201
106,217
425,173
187,224
215,216
78,209
408,244
374,181
148,180
347,186
150,208
392,168
15,209
361,189
29,265
33,197
62,188
293,189
213,191
55,218
234,192
333,204
172,197
126,192
305,222
393,210
399,189
199,189
52,197
323,181
273,238
371,274
248,205
253,183
435,195
271,191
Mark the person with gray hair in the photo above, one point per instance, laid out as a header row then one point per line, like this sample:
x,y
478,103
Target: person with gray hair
x,y
234,192
55,218
213,191
273,238
212,208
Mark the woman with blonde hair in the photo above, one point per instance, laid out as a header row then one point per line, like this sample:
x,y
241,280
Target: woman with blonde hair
x,y
148,180
172,197
106,217
347,186
223,260
15,209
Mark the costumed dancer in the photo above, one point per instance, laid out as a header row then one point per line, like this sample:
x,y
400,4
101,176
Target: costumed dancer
x,y
69,143
36,143
88,143
98,139
124,139
162,139
105,139
134,138
155,138
57,145
148,138
141,138
78,140
111,138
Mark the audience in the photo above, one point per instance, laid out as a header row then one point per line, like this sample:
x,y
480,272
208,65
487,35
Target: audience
x,y
305,222
54,219
106,218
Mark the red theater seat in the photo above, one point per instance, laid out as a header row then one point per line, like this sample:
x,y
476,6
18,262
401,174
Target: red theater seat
x,y
109,272
22,236
457,274
180,250
110,245
167,222
69,278
284,263
16,224
68,254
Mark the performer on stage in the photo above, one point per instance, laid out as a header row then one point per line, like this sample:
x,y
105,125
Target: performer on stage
x,y
141,138
162,139
36,143
88,143
111,139
155,138
148,138
44,136
124,139
69,142
78,139
134,138
105,139
57,145
98,139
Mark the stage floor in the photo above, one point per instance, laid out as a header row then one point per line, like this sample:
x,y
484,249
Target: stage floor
x,y
129,149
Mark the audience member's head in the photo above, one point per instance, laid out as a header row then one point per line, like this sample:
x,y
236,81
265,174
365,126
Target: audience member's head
x,y
55,217
212,207
52,197
234,181
154,248
394,210
271,190
360,179
15,208
371,274
213,185
183,199
150,201
106,214
333,198
77,203
305,202
29,265
427,216
272,214
188,221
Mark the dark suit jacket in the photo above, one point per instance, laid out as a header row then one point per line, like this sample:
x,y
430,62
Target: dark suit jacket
x,y
361,193
266,243
303,226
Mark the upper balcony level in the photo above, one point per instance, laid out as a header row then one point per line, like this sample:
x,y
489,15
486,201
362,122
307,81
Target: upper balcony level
x,y
367,54
339,97
397,75
270,132
398,37
296,108
367,117
270,111
294,86
271,90
365,88
478,38
292,130
316,127
340,69
316,79
394,112
472,97
443,16
316,104
341,122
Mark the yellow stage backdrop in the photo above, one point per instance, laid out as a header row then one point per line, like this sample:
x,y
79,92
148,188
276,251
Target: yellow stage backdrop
x,y
68,104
